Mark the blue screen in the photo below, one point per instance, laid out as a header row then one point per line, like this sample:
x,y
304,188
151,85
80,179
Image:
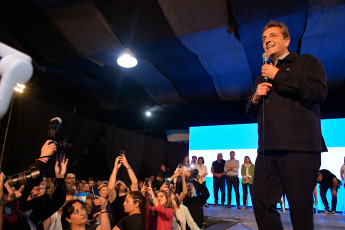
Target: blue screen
x,y
208,141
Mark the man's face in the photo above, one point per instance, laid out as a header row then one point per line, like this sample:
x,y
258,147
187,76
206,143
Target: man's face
x,y
70,178
86,188
152,177
91,183
232,155
162,167
194,159
274,43
219,157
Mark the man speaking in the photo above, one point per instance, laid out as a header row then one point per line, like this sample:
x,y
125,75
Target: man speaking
x,y
285,102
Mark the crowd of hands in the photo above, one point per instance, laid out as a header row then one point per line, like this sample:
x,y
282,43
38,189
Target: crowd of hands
x,y
12,193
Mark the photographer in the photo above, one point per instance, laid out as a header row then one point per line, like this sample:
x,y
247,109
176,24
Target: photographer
x,y
42,207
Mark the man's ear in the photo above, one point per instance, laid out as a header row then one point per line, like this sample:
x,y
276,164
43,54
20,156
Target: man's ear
x,y
287,42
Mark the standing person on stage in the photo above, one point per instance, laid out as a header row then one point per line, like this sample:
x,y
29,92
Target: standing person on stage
x,y
285,101
328,180
201,183
247,172
231,169
218,179
342,172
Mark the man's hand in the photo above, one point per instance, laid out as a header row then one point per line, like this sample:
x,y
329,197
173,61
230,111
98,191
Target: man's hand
x,y
262,90
48,149
269,71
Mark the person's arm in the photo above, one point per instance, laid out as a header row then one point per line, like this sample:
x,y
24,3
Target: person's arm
x,y
154,198
342,172
190,221
112,180
315,195
131,174
59,195
243,171
184,189
177,173
1,194
214,173
236,166
105,223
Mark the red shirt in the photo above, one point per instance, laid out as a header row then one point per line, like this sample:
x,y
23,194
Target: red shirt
x,y
163,219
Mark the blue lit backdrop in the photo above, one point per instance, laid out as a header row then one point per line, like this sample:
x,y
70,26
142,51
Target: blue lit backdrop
x,y
208,141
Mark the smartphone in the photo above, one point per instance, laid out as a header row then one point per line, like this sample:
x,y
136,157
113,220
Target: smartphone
x,y
167,182
146,183
121,152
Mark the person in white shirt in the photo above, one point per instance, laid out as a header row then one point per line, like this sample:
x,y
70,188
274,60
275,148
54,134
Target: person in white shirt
x,y
231,168
201,183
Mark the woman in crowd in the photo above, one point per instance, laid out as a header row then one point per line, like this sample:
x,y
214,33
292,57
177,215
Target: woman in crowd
x,y
201,189
161,214
103,192
118,189
247,172
133,205
74,216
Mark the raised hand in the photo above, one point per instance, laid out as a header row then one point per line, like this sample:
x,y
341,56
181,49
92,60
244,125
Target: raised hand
x,y
117,163
61,166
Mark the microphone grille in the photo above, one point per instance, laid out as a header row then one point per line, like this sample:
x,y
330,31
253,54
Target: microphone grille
x,y
265,55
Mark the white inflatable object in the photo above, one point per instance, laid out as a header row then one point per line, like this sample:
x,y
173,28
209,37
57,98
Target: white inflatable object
x,y
15,67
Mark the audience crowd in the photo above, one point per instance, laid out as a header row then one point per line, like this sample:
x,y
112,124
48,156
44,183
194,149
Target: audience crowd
x,y
162,201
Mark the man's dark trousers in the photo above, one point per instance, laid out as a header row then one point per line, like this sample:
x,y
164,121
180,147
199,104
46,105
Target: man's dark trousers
x,y
291,172
219,183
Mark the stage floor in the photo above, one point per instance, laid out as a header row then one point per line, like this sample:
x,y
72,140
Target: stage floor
x,y
225,218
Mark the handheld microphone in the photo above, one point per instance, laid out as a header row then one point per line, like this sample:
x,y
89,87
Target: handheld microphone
x,y
265,58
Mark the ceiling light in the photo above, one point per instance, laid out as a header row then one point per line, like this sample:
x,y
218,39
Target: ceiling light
x,y
148,114
127,59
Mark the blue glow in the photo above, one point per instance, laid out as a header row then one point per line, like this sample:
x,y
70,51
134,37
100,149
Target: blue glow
x,y
208,141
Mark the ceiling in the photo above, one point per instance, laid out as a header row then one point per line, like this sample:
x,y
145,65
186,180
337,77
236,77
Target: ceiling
x,y
197,59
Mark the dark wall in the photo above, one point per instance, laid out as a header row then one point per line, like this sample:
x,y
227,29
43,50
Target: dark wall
x,y
95,144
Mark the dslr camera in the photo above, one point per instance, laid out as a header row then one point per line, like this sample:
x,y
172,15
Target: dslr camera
x,y
33,176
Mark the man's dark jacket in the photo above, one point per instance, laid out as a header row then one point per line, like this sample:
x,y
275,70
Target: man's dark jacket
x,y
292,112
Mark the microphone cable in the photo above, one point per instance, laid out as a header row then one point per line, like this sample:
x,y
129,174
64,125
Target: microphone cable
x,y
263,155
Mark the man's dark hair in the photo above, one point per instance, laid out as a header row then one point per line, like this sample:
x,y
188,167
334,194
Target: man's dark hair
x,y
282,26
69,190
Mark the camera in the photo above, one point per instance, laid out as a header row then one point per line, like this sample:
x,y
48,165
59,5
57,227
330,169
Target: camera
x,y
31,176
52,129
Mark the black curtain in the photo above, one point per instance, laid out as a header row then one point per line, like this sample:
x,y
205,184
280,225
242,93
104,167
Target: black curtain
x,y
28,132
132,143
